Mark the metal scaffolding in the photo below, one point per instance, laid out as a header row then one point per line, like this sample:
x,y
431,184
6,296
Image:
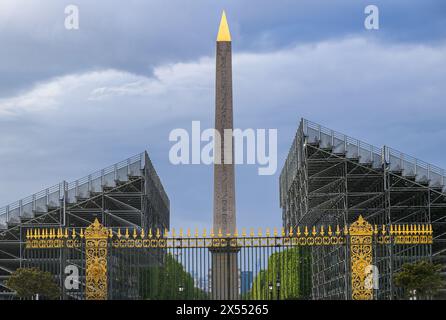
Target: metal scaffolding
x,y
127,194
330,178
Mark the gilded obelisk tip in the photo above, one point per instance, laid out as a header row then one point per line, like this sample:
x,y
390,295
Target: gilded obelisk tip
x,y
223,31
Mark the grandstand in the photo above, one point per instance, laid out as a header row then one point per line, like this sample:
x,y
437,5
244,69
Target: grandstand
x,y
127,194
331,178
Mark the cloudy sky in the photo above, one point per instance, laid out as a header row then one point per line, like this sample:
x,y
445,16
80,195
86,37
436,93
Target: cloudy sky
x,y
72,102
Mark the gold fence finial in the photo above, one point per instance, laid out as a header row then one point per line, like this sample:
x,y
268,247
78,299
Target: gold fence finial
x,y
267,232
204,233
196,233
251,233
212,233
330,232
236,233
243,232
81,234
291,231
260,232
135,234
275,232
338,230
322,232
306,233
283,232
219,233
188,232
298,231
143,233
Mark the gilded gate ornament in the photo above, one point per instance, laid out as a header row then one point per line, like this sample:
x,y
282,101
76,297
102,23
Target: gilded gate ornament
x,y
98,239
361,233
96,243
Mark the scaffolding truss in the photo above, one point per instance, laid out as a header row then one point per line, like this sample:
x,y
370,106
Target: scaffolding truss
x,y
332,178
126,194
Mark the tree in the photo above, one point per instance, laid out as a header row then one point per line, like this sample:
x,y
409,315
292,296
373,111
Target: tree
x,y
422,278
164,281
28,282
289,268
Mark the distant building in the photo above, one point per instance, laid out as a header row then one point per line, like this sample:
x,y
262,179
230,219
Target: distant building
x,y
246,279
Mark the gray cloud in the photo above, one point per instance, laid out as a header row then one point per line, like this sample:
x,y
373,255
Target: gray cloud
x,y
71,125
138,35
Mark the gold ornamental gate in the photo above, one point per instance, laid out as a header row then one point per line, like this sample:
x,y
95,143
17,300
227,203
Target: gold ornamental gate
x,y
360,236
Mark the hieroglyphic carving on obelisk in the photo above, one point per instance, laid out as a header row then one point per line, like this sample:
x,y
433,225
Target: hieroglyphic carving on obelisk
x,y
224,263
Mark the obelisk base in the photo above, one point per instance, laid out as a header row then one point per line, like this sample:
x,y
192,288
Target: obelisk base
x,y
225,280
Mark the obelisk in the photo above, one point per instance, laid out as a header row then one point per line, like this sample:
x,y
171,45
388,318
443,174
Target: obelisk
x,y
224,262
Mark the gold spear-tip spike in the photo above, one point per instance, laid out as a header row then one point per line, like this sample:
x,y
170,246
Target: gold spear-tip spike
x,y
166,233
126,233
338,230
73,233
283,232
188,232
158,233
322,232
383,231
329,232
119,235
251,233
346,229
228,234
376,229
291,231
298,231
236,233
223,30
143,233
135,234
220,234
314,232
204,233
81,234
196,233
259,233
267,232
212,235
306,231
275,232
150,235
244,232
